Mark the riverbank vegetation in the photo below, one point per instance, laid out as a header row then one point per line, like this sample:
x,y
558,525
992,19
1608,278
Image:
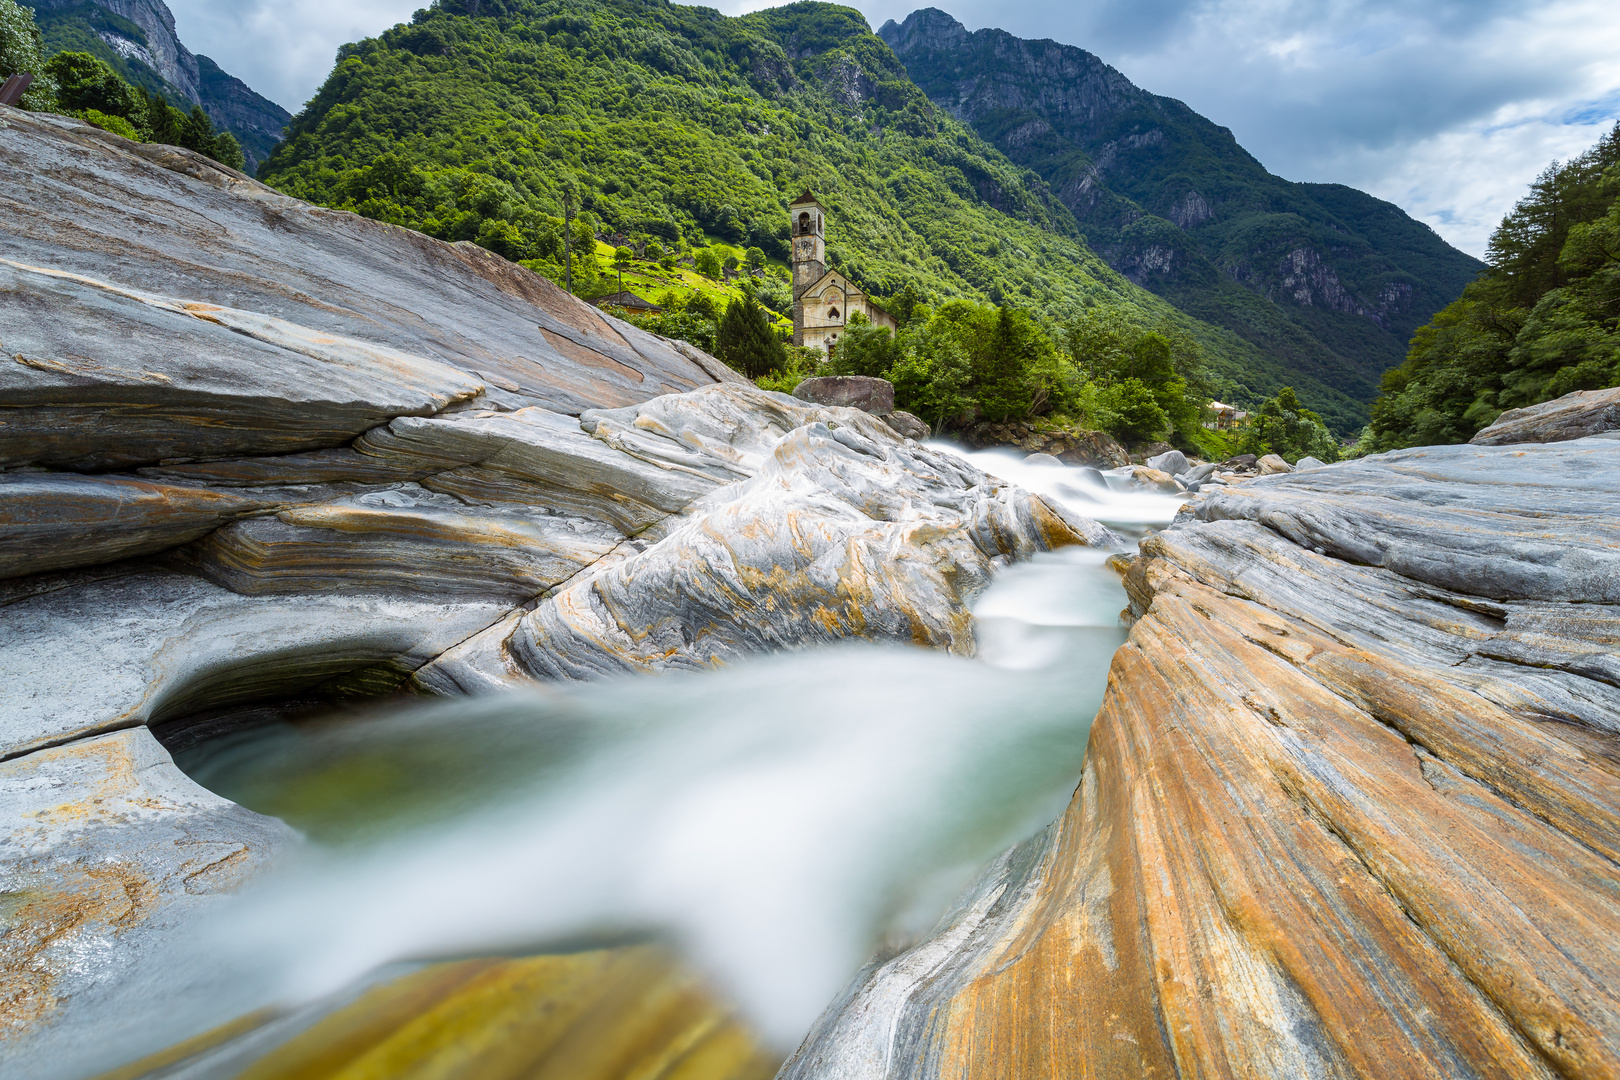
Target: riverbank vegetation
x,y
87,88
683,128
1542,321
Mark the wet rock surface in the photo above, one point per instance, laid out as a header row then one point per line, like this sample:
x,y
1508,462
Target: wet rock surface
x,y
1355,779
1093,448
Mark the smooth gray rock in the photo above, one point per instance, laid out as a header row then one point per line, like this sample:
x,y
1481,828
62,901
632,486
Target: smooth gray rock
x,y
1173,462
404,540
537,456
52,521
165,221
1308,462
151,646
1042,459
105,377
1198,472
108,850
1574,416
1535,523
1273,464
912,427
862,392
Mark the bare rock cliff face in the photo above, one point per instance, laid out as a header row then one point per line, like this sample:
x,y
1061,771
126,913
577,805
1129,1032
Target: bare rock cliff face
x,y
256,121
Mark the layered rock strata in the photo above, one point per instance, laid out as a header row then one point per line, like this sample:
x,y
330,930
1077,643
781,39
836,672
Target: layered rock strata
x,y
173,243
1351,806
1574,416
252,451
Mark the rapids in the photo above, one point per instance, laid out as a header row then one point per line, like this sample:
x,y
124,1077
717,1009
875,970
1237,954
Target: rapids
x,y
775,821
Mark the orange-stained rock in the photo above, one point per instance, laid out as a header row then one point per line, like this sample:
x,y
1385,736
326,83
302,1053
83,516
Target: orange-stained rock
x,y
1334,821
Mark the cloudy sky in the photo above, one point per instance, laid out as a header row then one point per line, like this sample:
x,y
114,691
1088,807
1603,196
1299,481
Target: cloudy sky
x,y
1446,107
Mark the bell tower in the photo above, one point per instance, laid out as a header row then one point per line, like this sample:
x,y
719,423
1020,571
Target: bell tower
x,y
807,224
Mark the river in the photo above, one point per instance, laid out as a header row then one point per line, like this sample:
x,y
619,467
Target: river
x,y
772,823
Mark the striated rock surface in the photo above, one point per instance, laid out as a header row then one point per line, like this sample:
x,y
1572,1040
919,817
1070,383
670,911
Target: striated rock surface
x,y
1351,806
1574,416
107,848
843,530
103,377
164,222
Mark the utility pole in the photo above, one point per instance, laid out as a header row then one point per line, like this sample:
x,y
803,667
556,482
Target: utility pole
x,y
568,241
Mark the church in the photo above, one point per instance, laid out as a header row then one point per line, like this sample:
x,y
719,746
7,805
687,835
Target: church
x,y
823,300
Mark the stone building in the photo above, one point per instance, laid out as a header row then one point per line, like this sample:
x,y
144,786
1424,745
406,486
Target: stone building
x,y
823,300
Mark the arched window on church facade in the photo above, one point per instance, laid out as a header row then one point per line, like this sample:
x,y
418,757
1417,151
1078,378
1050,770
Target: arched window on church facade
x,y
832,313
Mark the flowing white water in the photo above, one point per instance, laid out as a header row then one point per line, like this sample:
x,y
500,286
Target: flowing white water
x,y
774,820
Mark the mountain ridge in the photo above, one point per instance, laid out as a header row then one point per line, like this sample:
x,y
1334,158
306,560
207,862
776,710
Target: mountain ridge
x,y
1328,278
139,40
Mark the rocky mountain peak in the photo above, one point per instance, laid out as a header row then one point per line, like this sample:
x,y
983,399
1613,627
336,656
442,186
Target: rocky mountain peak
x,y
1174,203
139,39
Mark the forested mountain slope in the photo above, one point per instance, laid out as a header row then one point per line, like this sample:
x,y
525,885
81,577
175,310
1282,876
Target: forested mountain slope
x,y
683,124
1542,322
137,38
1328,278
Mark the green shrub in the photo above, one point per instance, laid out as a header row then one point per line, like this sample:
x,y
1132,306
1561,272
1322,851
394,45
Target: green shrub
x,y
115,124
1139,417
22,49
864,349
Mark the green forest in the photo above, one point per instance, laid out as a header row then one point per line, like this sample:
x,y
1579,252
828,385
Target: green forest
x,y
87,87
680,128
1543,320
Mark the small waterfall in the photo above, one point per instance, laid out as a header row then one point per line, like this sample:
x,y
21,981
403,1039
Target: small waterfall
x,y
774,822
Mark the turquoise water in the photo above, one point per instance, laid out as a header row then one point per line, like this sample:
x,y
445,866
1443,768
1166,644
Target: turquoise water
x,y
775,820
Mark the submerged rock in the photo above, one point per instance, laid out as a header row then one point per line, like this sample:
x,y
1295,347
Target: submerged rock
x,y
1574,416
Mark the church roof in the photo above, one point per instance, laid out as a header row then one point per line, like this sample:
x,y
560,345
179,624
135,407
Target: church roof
x,y
807,197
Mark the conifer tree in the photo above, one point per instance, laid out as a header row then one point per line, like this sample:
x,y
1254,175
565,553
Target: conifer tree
x,y
745,340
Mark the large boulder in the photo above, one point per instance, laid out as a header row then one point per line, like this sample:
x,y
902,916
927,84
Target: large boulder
x,y
1573,416
165,222
1173,462
1095,449
863,392
912,427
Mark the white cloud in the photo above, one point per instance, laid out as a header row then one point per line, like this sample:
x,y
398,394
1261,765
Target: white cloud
x,y
283,49
1446,107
